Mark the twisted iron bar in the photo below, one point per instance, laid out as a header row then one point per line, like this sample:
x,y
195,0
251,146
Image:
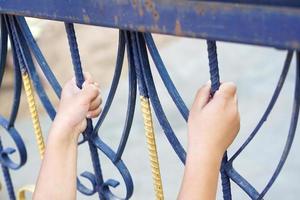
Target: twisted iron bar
x,y
138,56
215,84
94,141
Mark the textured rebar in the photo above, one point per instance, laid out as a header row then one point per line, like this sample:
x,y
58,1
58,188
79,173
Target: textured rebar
x,y
149,132
215,84
34,114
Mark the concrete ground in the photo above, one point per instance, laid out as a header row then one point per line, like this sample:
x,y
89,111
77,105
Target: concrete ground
x,y
255,70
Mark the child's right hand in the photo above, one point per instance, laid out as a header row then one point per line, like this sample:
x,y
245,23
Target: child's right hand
x,y
213,123
78,104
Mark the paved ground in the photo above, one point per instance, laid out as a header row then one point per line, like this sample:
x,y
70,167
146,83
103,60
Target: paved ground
x,y
254,69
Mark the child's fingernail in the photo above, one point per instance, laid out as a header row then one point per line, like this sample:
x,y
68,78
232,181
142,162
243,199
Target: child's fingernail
x,y
88,115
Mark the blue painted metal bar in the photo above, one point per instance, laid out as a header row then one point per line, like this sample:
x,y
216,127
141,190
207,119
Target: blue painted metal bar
x,y
262,24
215,84
79,81
166,77
273,100
31,43
3,48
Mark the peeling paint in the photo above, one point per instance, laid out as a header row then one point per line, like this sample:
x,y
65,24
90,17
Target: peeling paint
x,y
202,19
151,7
178,30
116,19
142,28
86,19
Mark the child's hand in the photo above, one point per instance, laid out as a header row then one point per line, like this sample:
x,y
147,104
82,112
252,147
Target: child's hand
x,y
214,123
78,104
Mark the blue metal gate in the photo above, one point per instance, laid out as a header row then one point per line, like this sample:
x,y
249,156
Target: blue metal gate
x,y
262,22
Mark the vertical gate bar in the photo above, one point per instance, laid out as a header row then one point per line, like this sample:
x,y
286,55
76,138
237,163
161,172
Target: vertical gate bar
x,y
137,59
215,84
79,81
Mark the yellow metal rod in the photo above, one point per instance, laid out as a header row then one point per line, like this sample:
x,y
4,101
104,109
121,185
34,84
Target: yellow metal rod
x,y
22,191
37,129
34,113
149,131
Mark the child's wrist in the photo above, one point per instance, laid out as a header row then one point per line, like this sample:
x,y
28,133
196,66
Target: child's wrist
x,y
205,152
61,130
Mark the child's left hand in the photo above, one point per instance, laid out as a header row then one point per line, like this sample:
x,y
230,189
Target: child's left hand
x,y
78,104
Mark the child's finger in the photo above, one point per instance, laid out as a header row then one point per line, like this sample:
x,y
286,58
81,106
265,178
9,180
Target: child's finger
x,y
202,96
227,90
96,103
94,113
89,92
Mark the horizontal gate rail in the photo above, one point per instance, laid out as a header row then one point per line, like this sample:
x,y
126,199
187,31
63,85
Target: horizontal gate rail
x,y
229,20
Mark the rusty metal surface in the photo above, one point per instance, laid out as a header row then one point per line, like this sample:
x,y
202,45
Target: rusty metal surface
x,y
260,24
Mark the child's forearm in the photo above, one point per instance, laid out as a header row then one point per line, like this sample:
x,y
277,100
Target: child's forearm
x,y
200,176
57,178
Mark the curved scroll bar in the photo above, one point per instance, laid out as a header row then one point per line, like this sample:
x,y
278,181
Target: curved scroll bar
x,y
273,100
165,76
293,124
17,84
26,63
292,130
129,113
23,64
5,160
215,84
17,91
173,140
3,47
241,181
83,189
38,55
79,81
8,181
109,153
115,81
17,74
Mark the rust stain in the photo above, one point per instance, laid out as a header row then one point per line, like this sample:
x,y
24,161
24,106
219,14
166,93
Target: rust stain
x,y
142,28
199,9
141,10
86,18
150,6
116,18
294,44
164,29
134,3
155,29
178,30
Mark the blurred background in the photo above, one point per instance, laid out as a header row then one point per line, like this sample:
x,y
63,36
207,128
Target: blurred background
x,y
254,69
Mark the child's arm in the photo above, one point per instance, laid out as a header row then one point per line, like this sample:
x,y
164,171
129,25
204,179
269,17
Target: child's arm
x,y
57,177
212,126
